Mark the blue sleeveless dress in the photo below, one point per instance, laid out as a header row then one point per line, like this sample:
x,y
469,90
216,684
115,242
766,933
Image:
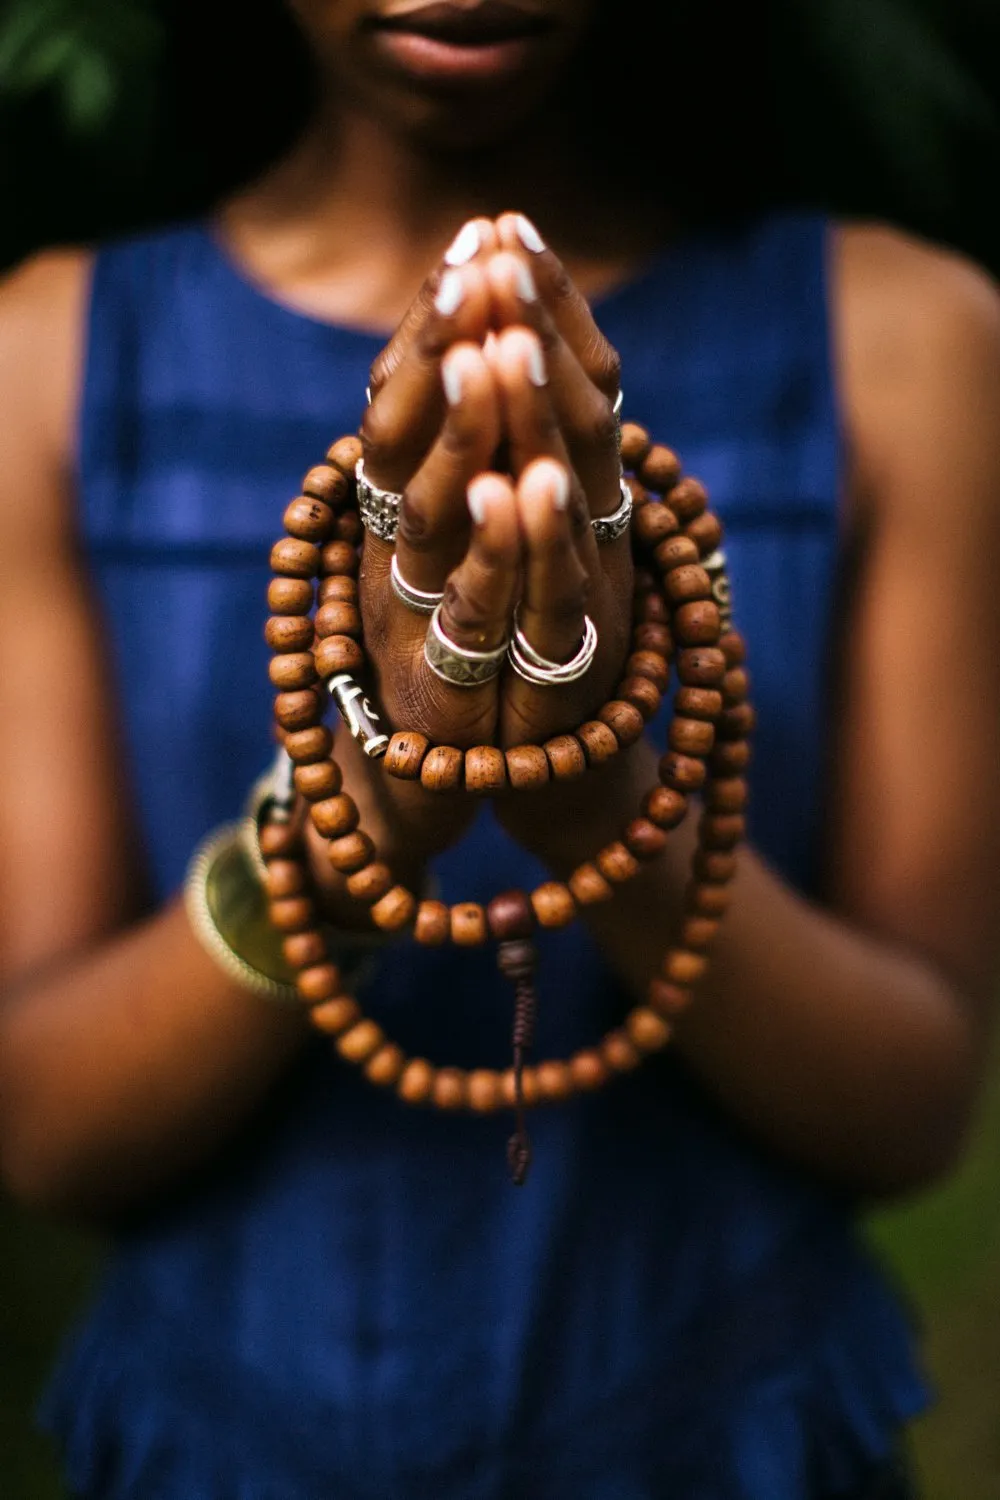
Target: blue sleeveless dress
x,y
356,1305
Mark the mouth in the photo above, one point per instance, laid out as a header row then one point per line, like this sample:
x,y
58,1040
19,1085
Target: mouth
x,y
444,42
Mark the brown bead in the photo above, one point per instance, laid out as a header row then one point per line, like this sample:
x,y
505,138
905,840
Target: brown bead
x,y
468,924
735,686
698,932
298,710
723,830
336,1015
372,880
290,596
624,720
339,558
669,999
654,523
334,816
433,924
308,519
485,769
529,1087
527,767
348,527
598,740
416,1082
483,1090
324,482
588,1070
300,949
319,982
644,839
733,647
642,693
405,754
676,552
384,1066
665,806
644,581
338,653
589,886
307,746
289,632
661,468
687,584
738,722
295,559
714,865
319,780
730,757
648,664
555,1081
616,863
701,666
337,617
683,967
293,670
691,736
442,769
350,853
709,900
360,1041
553,903
691,498
697,624
338,589
651,637
448,1091
395,909
620,1052
706,532
698,703
685,773
646,1029
728,795
510,915
344,454
651,609
635,444
285,877
278,841
565,756
292,913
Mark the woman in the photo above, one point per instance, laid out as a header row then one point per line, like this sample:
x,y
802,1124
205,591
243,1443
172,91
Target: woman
x,y
316,1291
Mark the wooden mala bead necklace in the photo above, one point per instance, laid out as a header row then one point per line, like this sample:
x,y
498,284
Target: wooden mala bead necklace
x,y
682,622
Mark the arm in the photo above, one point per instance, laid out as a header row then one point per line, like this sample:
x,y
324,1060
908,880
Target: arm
x,y
852,1036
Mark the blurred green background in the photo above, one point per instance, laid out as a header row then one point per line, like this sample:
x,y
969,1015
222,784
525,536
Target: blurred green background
x,y
117,113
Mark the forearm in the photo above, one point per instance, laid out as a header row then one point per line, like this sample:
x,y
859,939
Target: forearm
x,y
839,1049
125,1068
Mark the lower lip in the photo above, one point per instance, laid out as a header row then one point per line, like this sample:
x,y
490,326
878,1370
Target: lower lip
x,y
435,61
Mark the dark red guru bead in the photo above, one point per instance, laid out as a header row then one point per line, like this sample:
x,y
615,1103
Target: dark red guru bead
x,y
510,915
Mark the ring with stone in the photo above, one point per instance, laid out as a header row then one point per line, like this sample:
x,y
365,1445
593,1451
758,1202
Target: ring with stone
x,y
455,664
538,670
378,508
610,528
421,601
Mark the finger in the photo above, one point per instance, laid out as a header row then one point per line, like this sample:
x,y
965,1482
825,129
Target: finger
x,y
556,583
567,306
434,517
403,418
479,594
583,412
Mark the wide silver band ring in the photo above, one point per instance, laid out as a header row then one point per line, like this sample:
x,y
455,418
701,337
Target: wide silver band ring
x,y
421,601
537,669
610,528
378,508
455,664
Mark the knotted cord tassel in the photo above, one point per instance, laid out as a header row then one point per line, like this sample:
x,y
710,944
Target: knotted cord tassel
x,y
516,959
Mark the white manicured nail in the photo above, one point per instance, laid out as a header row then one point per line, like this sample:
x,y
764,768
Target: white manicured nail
x,y
451,379
528,234
526,288
450,294
535,360
490,344
476,497
560,488
464,246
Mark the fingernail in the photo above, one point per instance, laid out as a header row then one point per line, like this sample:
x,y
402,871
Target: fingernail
x,y
451,379
476,497
560,488
464,246
526,288
450,294
528,234
490,344
535,360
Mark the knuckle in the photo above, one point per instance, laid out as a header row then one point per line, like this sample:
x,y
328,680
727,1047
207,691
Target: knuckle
x,y
464,608
416,523
380,438
599,426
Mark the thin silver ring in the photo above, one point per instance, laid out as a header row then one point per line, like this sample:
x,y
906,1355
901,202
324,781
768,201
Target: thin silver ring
x,y
537,669
455,664
378,508
421,601
610,528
